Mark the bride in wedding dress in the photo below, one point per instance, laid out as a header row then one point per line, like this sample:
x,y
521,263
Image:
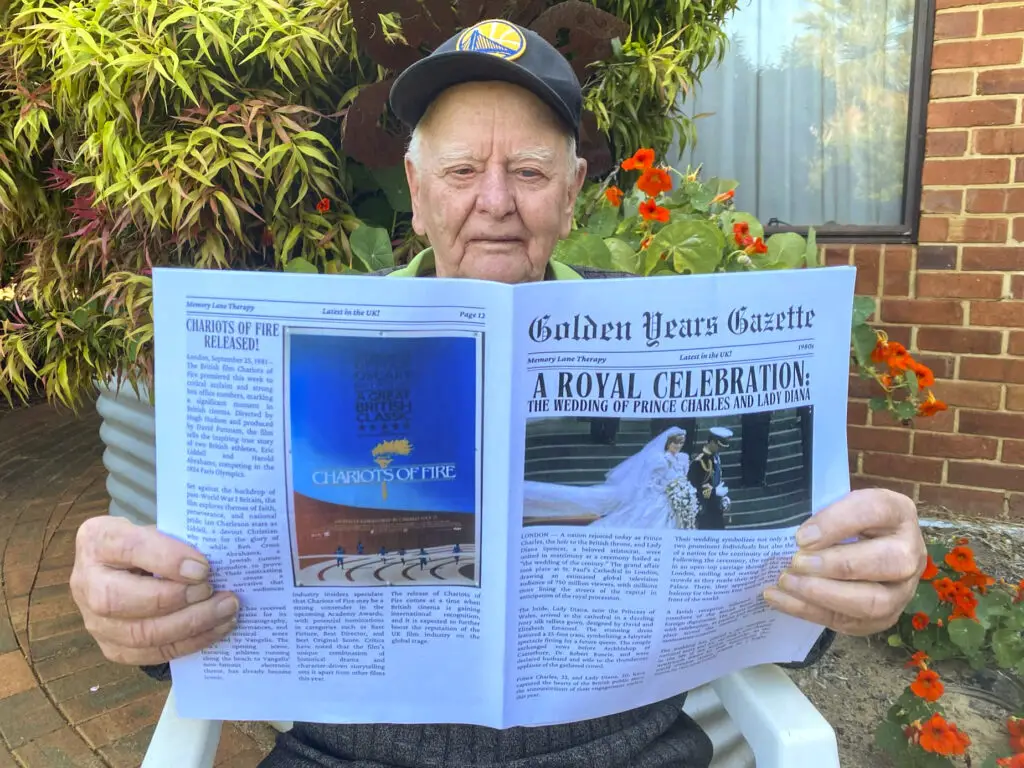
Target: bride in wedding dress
x,y
647,490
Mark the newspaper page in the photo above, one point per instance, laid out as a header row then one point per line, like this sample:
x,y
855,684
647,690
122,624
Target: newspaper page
x,y
675,435
322,442
476,491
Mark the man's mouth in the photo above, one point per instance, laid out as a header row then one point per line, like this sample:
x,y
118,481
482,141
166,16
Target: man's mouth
x,y
499,240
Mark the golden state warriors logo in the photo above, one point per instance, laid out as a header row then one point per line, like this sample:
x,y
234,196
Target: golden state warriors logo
x,y
498,38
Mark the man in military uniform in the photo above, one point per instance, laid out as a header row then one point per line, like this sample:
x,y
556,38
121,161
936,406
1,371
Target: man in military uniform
x,y
706,476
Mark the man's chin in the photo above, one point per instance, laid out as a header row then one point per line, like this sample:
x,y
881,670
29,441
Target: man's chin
x,y
502,265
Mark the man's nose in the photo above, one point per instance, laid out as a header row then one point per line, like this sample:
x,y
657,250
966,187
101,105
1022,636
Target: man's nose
x,y
495,198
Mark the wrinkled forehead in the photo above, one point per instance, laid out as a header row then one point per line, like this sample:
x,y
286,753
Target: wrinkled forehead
x,y
475,118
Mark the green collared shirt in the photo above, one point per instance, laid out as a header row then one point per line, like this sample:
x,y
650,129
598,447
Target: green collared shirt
x,y
422,265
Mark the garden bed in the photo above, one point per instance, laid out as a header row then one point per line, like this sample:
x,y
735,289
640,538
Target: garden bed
x,y
860,678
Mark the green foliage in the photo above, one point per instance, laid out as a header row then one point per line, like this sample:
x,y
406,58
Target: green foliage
x,y
692,227
961,614
143,133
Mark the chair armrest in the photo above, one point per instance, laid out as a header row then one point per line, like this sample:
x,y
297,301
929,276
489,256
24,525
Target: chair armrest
x,y
779,723
178,741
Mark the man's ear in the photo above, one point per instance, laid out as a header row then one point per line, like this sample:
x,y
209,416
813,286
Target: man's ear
x,y
413,179
575,186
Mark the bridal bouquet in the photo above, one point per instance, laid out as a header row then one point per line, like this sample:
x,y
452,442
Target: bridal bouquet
x,y
682,499
668,222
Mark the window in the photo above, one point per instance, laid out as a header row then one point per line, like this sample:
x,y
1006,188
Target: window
x,y
818,110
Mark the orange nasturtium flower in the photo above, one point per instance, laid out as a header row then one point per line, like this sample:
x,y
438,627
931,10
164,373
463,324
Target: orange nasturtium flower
x,y
941,737
931,570
1015,725
651,211
931,406
978,579
646,242
725,196
964,608
654,181
1020,593
324,205
757,245
641,160
945,589
920,621
927,686
919,660
925,376
892,353
961,560
614,196
1017,761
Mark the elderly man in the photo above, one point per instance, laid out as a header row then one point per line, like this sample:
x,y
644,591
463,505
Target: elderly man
x,y
494,176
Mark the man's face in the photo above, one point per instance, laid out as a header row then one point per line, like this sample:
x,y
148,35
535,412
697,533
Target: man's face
x,y
495,187
714,446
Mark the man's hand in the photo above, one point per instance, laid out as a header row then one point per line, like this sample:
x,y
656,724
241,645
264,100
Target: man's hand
x,y
858,588
707,491
144,595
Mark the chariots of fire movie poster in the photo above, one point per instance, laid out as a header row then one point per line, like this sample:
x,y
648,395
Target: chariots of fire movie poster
x,y
384,440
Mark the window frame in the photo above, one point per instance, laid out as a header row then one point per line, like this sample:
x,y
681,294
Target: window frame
x,y
917,126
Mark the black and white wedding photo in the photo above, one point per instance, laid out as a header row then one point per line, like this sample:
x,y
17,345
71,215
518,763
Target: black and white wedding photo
x,y
738,472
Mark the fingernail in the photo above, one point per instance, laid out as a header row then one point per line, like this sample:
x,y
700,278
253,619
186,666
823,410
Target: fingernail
x,y
227,607
808,535
789,582
226,627
197,593
193,570
806,563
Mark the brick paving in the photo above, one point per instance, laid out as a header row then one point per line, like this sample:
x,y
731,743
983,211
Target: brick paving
x,y
61,703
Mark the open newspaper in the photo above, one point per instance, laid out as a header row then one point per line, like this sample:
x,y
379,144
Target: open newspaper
x,y
452,501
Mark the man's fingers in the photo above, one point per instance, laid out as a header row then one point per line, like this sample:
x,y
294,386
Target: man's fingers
x,y
865,513
859,600
815,614
117,543
165,631
145,656
126,595
888,559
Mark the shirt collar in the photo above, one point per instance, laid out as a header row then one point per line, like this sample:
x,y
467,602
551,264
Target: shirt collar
x,y
422,265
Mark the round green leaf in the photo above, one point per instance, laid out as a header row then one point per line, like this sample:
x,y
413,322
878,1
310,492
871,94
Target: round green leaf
x,y
864,339
1008,647
603,220
991,607
926,600
373,246
692,246
393,183
895,641
786,250
863,308
583,249
624,258
299,264
889,737
967,634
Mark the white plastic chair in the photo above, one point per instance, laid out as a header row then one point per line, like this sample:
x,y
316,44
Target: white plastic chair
x,y
756,717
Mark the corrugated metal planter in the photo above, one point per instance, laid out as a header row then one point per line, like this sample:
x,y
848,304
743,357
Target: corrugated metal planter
x,y
129,433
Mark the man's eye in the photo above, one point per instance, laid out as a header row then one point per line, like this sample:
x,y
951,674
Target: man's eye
x,y
529,173
463,171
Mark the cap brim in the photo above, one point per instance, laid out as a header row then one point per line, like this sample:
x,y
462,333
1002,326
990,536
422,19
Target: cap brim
x,y
421,83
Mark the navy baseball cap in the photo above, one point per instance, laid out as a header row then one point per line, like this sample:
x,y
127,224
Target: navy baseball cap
x,y
491,50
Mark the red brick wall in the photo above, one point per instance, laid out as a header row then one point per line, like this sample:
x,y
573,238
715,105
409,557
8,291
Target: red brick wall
x,y
957,299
